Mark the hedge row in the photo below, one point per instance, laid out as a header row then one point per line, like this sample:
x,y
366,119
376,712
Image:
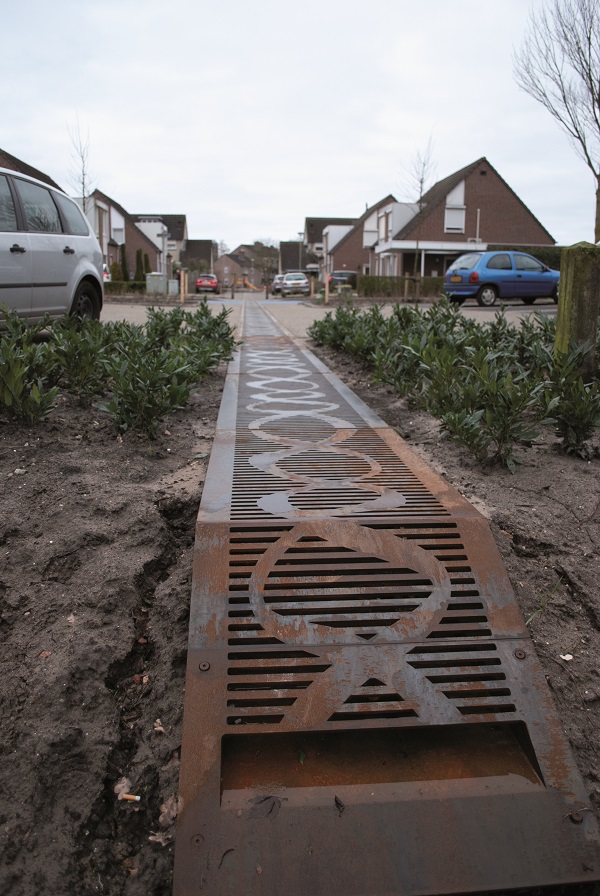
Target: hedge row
x,y
394,287
121,287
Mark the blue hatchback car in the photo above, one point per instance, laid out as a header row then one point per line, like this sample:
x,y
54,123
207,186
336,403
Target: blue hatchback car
x,y
486,276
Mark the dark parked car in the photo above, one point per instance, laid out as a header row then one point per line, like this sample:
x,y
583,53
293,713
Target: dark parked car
x,y
50,260
208,283
342,278
489,275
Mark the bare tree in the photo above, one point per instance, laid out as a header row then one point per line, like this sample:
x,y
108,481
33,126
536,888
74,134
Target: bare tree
x,y
80,175
420,173
559,66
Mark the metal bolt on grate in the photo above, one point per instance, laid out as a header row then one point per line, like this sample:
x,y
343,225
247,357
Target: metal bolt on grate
x,y
364,712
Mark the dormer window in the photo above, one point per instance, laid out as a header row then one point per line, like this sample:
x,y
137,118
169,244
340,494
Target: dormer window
x,y
454,214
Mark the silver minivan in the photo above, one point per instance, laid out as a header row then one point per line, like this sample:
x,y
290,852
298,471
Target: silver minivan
x,y
50,259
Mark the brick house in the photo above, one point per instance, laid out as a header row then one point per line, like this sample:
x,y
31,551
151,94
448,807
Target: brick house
x,y
294,255
349,248
249,263
313,232
199,255
113,226
175,227
229,268
472,208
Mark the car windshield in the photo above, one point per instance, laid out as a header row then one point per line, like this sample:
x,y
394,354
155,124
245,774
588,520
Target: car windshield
x,y
465,262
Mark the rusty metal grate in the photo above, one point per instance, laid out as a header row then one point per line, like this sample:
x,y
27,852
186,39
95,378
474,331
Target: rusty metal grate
x,y
364,712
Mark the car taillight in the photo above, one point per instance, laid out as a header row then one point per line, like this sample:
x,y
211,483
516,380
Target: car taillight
x,y
473,277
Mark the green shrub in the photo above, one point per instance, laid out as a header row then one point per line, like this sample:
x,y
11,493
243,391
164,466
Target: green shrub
x,y
572,406
142,373
492,385
139,267
395,287
80,353
124,265
121,288
24,396
146,384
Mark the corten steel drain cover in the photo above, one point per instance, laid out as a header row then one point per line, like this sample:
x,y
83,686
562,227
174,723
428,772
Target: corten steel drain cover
x,y
364,712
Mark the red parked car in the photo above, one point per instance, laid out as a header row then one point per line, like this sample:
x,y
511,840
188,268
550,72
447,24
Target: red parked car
x,y
208,283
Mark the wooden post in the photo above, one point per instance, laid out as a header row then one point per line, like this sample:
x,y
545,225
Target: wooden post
x,y
183,285
579,302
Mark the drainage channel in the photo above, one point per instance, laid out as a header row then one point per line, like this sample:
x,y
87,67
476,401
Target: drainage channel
x,y
364,713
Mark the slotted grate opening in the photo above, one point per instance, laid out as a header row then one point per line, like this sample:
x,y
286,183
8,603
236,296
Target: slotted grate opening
x,y
279,762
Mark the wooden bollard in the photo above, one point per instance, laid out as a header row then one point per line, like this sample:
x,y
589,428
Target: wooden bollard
x,y
579,302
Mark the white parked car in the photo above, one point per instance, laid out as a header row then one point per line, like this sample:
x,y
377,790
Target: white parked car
x,y
294,282
50,259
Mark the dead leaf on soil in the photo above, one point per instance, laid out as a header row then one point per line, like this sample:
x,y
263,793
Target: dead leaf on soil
x,y
162,837
45,654
122,786
158,727
131,865
168,812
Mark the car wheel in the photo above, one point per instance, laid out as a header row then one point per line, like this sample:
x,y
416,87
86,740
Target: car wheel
x,y
555,294
487,296
86,304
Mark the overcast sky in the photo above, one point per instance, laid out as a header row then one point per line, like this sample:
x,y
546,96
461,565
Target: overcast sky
x,y
250,116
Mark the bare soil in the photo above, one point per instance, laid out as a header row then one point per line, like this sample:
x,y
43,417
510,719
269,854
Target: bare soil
x,y
96,540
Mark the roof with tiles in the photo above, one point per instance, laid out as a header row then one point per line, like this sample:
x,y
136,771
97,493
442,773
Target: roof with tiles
x,y
9,161
313,227
369,211
438,192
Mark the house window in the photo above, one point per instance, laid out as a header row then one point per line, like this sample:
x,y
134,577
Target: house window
x,y
454,220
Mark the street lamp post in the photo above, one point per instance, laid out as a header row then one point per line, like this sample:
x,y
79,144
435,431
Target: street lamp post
x,y
300,235
165,235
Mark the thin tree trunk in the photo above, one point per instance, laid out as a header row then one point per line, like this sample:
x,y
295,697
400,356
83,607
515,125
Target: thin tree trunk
x,y
597,227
